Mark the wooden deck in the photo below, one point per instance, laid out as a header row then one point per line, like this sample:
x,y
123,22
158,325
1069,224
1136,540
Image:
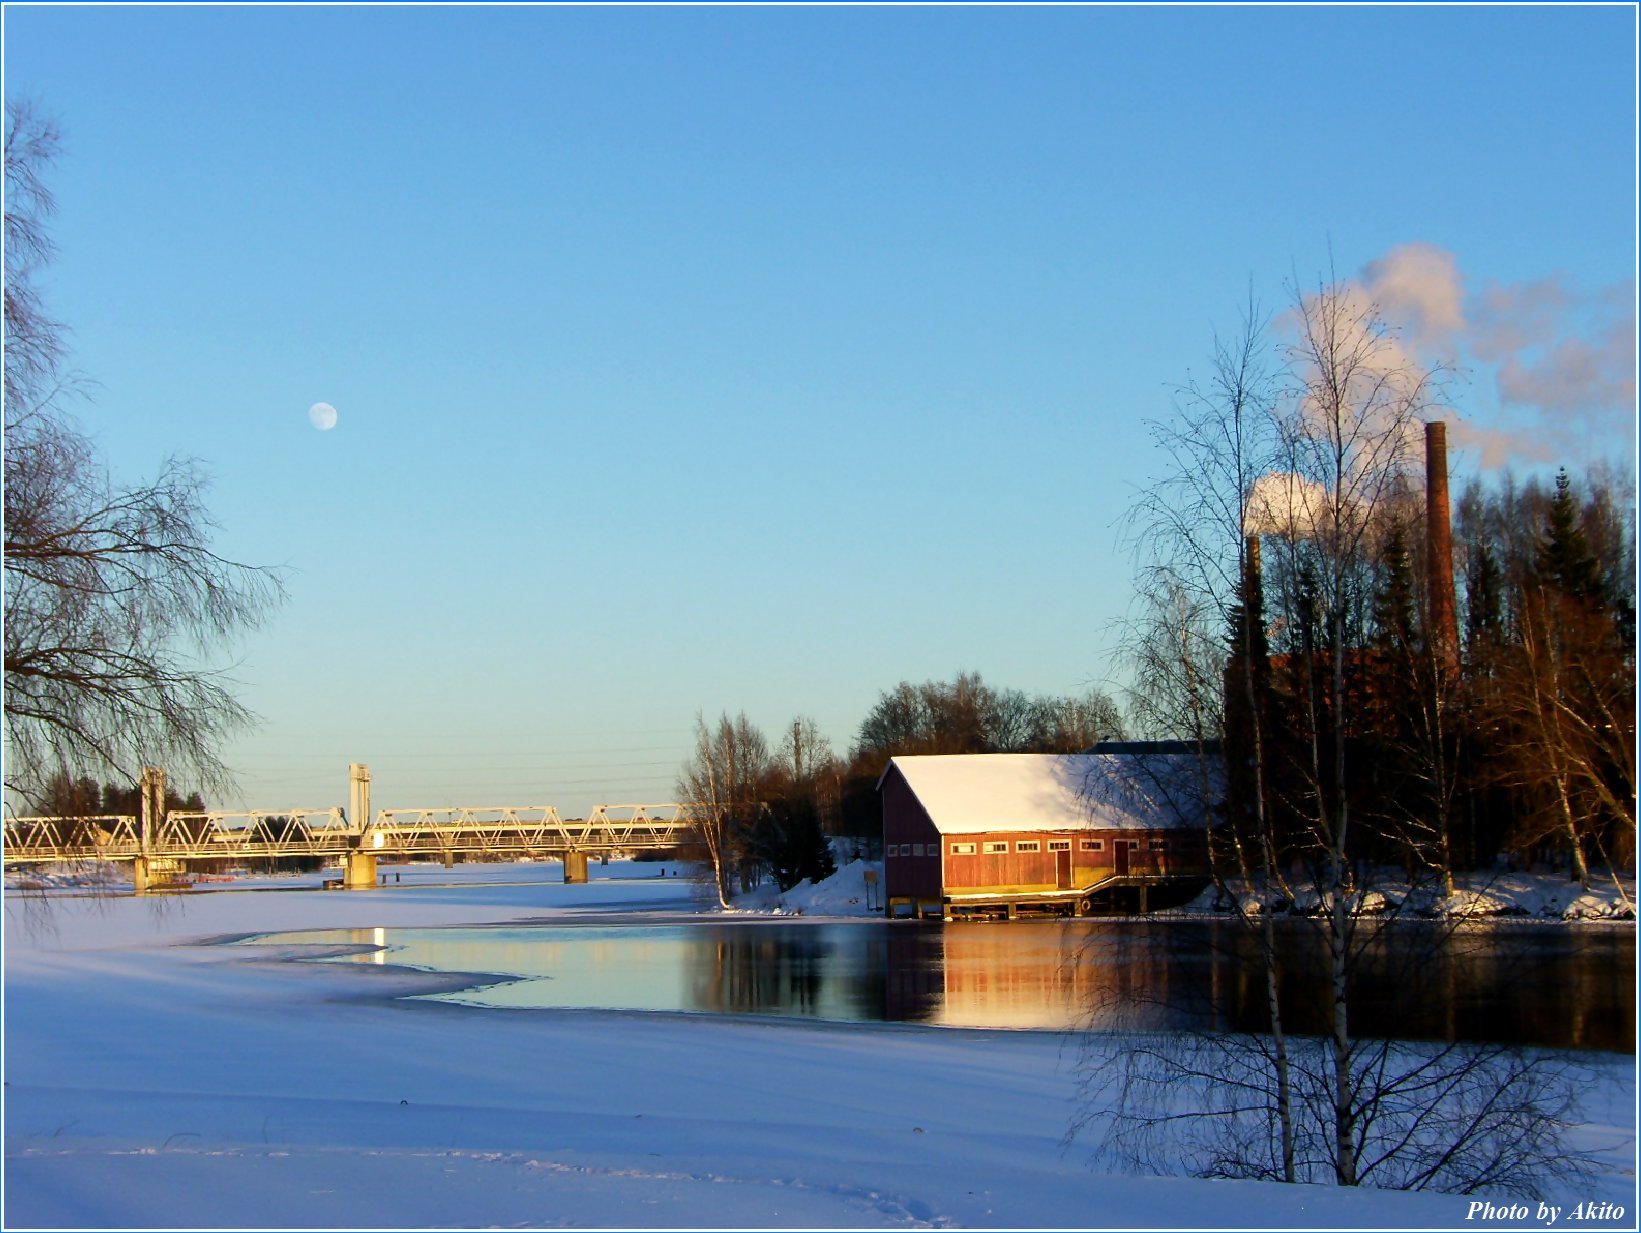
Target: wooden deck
x,y
1116,893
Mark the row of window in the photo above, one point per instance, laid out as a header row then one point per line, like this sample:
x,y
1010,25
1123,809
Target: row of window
x,y
996,846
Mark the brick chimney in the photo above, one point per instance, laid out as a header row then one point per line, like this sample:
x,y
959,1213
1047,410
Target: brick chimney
x,y
1444,624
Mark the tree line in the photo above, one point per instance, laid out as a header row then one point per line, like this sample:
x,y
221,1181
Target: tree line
x,y
1514,746
766,809
65,796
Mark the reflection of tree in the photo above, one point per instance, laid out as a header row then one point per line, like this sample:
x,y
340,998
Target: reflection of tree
x,y
1416,982
1440,1015
759,970
865,984
914,982
804,966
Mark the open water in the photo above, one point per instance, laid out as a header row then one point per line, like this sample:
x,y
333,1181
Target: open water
x,y
1523,983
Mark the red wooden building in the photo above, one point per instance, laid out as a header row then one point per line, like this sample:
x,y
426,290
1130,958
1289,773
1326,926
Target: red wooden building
x,y
1001,834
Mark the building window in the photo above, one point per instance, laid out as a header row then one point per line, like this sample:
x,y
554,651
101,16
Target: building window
x,y
1059,845
1159,845
997,847
905,849
917,849
1093,845
1028,845
962,849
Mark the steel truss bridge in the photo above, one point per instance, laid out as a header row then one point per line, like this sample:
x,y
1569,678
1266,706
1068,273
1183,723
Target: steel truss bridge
x,y
160,843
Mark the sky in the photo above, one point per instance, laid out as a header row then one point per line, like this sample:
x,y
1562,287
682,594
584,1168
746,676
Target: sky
x,y
708,359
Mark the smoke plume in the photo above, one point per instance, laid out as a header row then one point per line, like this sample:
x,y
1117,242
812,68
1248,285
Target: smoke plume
x,y
1560,359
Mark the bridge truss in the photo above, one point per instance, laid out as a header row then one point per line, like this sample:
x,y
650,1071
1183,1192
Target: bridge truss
x,y
501,830
504,830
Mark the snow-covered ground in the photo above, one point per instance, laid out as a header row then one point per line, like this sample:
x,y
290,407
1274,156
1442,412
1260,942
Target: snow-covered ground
x,y
1476,896
845,893
155,1080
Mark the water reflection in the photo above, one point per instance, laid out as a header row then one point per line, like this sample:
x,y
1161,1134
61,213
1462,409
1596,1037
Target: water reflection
x,y
1550,986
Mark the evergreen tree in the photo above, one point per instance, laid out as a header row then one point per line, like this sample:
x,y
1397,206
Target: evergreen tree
x,y
1565,561
1484,601
1247,688
1401,744
791,843
1393,618
1247,638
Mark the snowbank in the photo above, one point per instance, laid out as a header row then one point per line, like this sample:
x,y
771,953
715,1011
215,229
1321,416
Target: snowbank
x,y
1476,896
845,893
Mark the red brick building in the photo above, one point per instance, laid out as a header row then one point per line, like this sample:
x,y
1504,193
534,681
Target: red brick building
x,y
1009,833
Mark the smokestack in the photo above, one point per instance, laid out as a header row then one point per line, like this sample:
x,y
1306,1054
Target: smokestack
x,y
1444,623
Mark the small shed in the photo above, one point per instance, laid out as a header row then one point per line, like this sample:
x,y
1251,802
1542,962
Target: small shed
x,y
1001,834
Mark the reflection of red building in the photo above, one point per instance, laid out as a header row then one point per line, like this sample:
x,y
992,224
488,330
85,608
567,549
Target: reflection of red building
x,y
972,833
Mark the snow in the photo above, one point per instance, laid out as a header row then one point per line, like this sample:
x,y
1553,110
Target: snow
x,y
1477,896
845,893
155,1078
968,794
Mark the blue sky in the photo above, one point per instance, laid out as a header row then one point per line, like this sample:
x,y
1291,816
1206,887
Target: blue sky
x,y
703,359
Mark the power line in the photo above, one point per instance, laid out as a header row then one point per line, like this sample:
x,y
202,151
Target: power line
x,y
459,756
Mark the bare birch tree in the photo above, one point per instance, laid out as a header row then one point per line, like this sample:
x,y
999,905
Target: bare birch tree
x,y
721,782
1351,422
1310,472
115,602
1196,534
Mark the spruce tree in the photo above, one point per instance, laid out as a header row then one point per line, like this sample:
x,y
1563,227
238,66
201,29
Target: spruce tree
x,y
1484,600
1564,559
1247,687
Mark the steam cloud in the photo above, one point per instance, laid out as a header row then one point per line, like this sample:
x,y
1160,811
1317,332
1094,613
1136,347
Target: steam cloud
x,y
1563,358
1284,504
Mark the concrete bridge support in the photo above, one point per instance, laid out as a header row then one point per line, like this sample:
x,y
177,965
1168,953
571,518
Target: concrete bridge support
x,y
152,800
575,868
360,871
156,873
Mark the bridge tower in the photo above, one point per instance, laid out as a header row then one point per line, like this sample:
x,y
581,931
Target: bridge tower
x,y
360,863
152,797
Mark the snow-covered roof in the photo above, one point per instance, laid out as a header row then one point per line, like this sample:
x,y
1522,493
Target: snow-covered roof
x,y
967,794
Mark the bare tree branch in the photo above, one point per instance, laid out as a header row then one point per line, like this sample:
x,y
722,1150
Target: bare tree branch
x,y
115,601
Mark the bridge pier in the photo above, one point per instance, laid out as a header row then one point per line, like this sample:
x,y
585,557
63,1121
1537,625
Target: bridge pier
x,y
360,871
575,868
156,873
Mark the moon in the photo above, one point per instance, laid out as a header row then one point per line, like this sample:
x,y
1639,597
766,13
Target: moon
x,y
322,416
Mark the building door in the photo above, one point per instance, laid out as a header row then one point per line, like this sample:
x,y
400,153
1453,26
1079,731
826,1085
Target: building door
x,y
1062,868
1124,847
